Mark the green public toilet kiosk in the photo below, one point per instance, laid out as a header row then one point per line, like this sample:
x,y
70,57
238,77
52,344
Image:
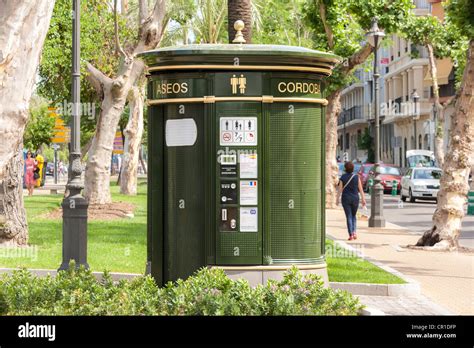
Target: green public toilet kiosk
x,y
236,160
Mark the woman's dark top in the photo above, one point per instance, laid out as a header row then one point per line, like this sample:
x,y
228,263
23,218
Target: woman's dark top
x,y
351,190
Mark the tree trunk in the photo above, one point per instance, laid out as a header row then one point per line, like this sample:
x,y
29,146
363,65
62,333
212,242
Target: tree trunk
x,y
332,112
458,162
97,176
114,92
240,10
439,126
85,149
133,136
23,28
142,161
13,226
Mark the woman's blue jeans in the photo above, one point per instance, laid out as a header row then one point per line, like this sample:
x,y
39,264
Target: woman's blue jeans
x,y
350,205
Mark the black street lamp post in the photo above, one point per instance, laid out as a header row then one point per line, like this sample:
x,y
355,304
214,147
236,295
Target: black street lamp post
x,y
374,36
74,205
416,114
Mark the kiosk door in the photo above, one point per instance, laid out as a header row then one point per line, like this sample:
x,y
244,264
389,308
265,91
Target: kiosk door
x,y
239,187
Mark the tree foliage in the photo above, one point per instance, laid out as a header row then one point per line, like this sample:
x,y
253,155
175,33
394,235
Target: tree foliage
x,y
280,22
97,46
344,25
461,14
40,127
446,38
366,142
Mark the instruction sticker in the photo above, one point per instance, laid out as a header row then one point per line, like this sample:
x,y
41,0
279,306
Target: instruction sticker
x,y
248,166
248,192
248,219
240,131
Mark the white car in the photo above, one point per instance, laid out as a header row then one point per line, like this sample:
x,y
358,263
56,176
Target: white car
x,y
420,183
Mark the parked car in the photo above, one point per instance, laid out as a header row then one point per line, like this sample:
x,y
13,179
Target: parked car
x,y
388,174
50,169
420,183
420,158
363,173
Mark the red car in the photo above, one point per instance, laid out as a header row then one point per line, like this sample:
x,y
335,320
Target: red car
x,y
364,173
388,174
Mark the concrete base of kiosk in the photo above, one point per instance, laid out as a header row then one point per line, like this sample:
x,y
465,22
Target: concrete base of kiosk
x,y
261,274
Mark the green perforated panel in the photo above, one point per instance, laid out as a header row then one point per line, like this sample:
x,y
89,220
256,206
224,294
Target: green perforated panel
x,y
184,208
247,244
294,162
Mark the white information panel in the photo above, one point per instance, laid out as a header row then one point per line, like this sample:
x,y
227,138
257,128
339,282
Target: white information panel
x,y
248,166
182,132
238,131
248,192
249,219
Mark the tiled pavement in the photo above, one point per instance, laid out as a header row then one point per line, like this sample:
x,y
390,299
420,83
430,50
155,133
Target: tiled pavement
x,y
445,278
391,305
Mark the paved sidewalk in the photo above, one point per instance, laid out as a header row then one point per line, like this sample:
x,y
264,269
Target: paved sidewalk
x,y
392,305
445,278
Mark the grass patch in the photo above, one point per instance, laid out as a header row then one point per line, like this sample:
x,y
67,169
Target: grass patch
x,y
120,245
117,245
354,269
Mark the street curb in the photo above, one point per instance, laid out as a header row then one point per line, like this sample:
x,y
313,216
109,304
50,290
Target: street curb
x,y
369,289
411,288
45,272
371,311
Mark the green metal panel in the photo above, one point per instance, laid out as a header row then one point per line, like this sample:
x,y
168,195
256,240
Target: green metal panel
x,y
323,179
249,244
184,196
293,177
155,193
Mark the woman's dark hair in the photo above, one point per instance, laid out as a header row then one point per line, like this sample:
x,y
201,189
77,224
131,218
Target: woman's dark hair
x,y
29,153
349,167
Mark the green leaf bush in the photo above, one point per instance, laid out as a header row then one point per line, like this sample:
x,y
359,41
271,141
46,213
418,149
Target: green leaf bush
x,y
207,292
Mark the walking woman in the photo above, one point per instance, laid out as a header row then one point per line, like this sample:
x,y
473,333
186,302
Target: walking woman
x,y
30,173
350,186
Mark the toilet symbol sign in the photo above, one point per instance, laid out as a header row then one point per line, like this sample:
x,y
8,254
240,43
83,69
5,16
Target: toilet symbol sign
x,y
240,131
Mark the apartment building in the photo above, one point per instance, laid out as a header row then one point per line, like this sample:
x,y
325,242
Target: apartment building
x,y
407,72
357,103
404,69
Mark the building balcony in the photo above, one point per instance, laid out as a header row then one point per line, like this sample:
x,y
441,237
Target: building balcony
x,y
400,110
351,117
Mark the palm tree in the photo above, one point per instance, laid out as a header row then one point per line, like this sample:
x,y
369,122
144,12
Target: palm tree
x,y
240,9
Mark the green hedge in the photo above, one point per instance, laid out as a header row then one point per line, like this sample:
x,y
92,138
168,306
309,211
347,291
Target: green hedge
x,y
208,292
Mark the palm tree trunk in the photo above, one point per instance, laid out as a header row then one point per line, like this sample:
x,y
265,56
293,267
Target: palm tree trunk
x,y
240,10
